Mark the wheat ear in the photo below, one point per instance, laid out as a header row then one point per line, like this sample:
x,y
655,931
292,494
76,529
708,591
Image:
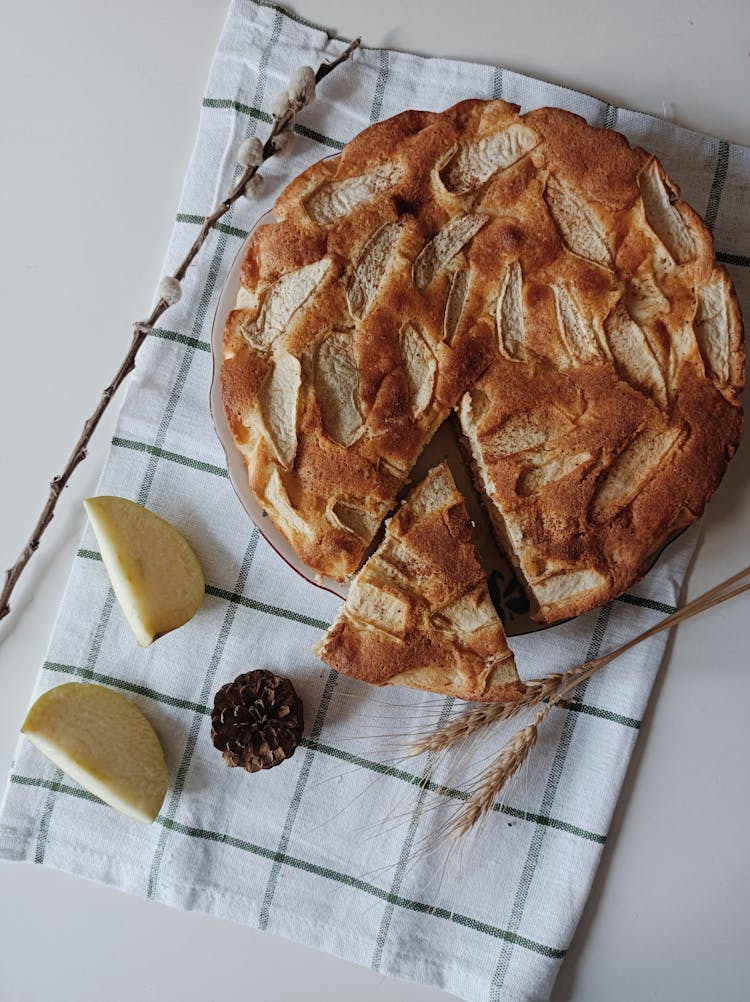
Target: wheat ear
x,y
509,761
535,692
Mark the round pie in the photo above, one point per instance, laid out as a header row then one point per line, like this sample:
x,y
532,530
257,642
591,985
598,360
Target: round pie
x,y
535,276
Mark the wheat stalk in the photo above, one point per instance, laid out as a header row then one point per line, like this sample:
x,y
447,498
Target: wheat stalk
x,y
512,756
553,688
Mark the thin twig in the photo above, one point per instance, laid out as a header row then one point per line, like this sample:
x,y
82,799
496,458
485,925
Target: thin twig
x,y
518,748
140,333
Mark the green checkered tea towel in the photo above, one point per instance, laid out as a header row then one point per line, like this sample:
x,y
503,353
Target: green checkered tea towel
x,y
340,847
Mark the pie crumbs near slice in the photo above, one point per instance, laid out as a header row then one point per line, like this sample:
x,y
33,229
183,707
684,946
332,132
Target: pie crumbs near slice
x,y
419,613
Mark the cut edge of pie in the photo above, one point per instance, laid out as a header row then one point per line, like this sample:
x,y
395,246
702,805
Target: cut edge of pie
x,y
419,612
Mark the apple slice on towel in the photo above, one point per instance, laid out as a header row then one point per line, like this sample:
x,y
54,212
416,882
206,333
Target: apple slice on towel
x,y
104,742
154,572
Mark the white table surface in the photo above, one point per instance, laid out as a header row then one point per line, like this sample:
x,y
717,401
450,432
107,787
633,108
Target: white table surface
x,y
99,106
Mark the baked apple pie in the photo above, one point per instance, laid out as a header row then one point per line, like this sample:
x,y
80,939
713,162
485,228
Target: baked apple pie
x,y
536,276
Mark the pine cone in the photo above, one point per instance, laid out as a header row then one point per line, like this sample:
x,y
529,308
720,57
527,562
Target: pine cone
x,y
257,720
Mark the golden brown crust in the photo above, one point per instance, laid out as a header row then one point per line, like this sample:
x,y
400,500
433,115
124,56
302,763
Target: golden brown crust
x,y
419,612
538,274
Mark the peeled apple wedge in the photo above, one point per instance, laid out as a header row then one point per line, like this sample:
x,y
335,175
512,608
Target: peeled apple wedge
x,y
154,572
104,742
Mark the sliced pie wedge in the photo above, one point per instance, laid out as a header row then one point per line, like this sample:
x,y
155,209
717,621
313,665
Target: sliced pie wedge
x,y
419,613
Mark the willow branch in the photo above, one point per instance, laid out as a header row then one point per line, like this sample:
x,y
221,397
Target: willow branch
x,y
281,124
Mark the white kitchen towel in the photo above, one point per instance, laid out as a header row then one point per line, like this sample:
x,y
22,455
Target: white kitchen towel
x,y
340,847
